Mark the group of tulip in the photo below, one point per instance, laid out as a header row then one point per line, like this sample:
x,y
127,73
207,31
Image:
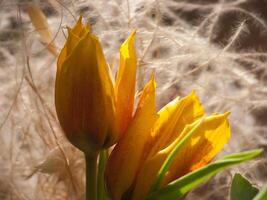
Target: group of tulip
x,y
97,112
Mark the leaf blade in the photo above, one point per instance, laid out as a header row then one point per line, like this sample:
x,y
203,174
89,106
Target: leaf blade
x,y
178,188
262,195
242,189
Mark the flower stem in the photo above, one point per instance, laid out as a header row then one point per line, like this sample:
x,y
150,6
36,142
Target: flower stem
x,y
91,176
100,177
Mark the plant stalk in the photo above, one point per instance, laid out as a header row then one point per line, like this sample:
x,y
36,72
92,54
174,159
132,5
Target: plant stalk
x,y
101,193
91,176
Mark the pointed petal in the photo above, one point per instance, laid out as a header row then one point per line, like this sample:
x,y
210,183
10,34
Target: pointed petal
x,y
205,144
61,58
74,36
127,155
109,94
208,141
147,175
78,26
80,29
173,118
72,41
125,82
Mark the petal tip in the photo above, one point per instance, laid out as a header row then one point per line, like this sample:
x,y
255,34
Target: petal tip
x,y
129,42
226,114
193,94
153,80
80,19
132,36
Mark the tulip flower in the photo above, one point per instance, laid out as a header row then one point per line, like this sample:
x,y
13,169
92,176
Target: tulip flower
x,y
92,110
152,149
137,158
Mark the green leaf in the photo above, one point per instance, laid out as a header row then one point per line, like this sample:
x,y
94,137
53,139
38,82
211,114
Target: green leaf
x,y
178,188
262,195
242,189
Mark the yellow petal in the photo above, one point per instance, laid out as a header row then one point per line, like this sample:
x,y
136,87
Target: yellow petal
x,y
61,58
205,144
207,141
125,82
173,118
80,29
74,36
85,96
128,154
147,175
72,41
78,26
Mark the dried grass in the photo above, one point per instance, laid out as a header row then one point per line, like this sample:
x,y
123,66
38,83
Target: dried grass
x,y
36,162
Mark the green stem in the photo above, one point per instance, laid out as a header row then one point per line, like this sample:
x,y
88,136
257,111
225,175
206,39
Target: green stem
x,y
91,176
100,177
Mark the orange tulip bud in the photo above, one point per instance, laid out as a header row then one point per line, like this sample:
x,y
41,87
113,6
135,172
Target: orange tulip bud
x,y
84,92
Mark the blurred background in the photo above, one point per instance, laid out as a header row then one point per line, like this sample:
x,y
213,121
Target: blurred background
x,y
216,47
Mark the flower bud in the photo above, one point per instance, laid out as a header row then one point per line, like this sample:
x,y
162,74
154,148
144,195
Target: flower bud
x,y
84,93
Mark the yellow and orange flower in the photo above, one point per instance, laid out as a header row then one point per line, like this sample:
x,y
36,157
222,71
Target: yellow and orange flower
x,y
93,110
151,136
96,113
138,156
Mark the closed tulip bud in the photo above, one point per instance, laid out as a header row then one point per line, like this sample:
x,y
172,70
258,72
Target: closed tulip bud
x,y
84,92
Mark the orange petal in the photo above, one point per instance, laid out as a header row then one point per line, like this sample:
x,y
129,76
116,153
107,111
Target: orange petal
x,y
207,141
74,36
146,176
127,155
205,144
80,29
125,82
173,118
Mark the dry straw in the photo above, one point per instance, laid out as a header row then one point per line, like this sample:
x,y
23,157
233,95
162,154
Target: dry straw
x,y
37,163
